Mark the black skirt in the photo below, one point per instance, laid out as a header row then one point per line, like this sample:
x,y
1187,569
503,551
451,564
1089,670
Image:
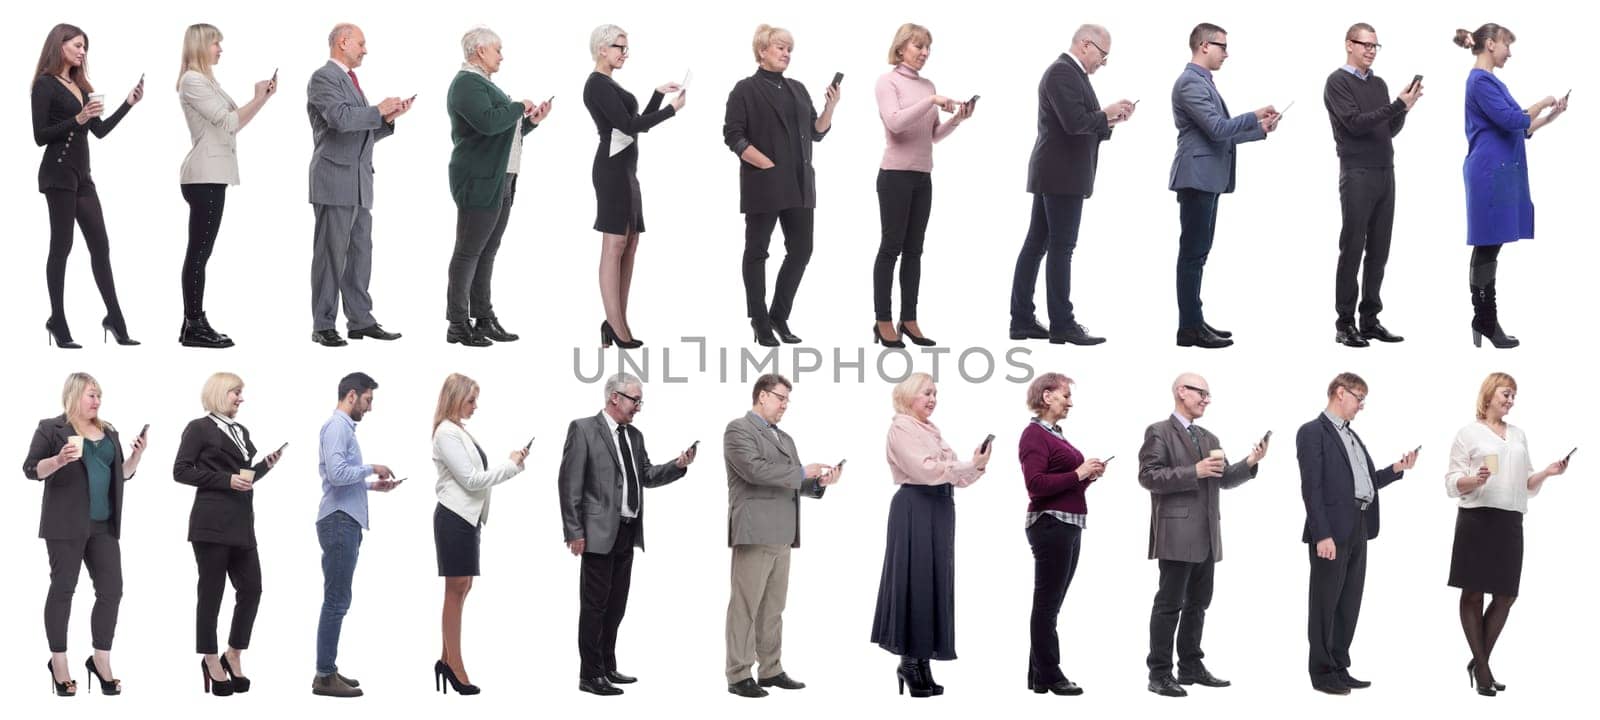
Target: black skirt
x,y
1487,555
917,592
456,543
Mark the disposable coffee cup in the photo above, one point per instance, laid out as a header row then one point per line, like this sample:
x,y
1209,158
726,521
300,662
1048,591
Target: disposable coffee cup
x,y
99,98
248,474
77,442
1493,463
1218,454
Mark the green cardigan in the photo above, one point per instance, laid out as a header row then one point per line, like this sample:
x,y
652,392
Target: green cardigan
x,y
482,120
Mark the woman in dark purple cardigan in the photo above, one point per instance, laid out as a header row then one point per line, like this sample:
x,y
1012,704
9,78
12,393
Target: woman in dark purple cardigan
x,y
1056,475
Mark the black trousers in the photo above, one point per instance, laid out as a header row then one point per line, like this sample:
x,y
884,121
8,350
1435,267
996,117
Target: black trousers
x,y
478,233
1182,597
1366,207
1335,605
80,206
1055,560
797,235
205,221
101,553
1197,216
1052,238
905,198
218,564
602,601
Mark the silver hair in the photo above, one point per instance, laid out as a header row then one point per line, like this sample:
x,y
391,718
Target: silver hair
x,y
480,36
1091,32
602,38
338,33
619,382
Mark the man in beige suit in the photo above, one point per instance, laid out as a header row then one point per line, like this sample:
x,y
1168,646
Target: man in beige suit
x,y
1183,467
765,483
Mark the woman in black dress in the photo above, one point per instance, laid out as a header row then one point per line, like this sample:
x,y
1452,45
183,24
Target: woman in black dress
x,y
64,106
619,216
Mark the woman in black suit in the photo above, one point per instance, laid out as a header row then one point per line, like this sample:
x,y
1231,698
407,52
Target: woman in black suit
x,y
79,459
619,215
776,182
64,105
216,457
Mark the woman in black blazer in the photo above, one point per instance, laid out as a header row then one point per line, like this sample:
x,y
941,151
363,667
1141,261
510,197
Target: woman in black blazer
x,y
215,456
619,216
64,105
770,124
79,458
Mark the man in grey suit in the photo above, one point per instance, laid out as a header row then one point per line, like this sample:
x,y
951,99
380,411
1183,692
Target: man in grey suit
x,y
343,130
604,470
1203,169
765,484
1182,466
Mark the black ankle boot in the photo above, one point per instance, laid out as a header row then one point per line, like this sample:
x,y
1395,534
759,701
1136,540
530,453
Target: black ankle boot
x,y
927,675
464,334
195,333
1486,319
490,328
910,673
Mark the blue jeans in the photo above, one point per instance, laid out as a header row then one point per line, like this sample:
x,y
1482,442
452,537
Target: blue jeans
x,y
1052,236
1197,214
340,537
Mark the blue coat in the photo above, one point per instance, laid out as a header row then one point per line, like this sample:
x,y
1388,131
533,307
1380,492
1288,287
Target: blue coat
x,y
1499,205
1206,135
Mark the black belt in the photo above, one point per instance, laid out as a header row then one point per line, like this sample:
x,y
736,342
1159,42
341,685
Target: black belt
x,y
1362,505
944,490
627,520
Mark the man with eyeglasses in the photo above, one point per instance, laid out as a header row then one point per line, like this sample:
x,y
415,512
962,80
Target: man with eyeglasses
x,y
765,484
604,471
1339,485
1365,122
1183,467
1061,174
1202,170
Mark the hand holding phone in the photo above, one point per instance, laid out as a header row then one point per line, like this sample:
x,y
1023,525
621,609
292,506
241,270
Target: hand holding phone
x,y
838,77
279,451
987,442
1416,82
144,430
1568,458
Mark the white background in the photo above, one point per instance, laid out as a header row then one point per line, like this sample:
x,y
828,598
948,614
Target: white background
x,y
1269,280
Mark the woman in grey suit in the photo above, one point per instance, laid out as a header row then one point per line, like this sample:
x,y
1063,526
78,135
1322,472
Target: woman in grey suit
x,y
209,168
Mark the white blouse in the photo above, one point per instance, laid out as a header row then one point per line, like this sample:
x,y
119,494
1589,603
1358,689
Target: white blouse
x,y
1507,489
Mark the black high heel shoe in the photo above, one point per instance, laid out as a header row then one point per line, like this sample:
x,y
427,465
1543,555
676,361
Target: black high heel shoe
x,y
60,334
609,336
913,337
877,337
61,689
107,687
909,673
781,327
219,688
444,679
1472,666
926,667
763,333
118,329
241,684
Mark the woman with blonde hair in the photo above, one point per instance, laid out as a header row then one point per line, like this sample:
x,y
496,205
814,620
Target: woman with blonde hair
x,y
78,456
217,458
210,167
463,487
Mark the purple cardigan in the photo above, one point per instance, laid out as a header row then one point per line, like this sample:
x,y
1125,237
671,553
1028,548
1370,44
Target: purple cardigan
x,y
1049,470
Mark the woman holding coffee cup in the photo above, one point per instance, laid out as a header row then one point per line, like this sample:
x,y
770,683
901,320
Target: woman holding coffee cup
x,y
79,459
218,459
1492,475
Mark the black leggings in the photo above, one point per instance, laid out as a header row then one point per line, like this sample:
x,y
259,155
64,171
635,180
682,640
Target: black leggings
x,y
904,200
205,220
82,206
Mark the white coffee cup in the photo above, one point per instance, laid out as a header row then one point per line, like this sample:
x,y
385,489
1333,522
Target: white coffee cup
x,y
98,98
1493,463
77,442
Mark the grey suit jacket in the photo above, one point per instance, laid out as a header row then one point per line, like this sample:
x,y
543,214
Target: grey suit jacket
x,y
591,478
1206,135
1185,516
343,130
764,484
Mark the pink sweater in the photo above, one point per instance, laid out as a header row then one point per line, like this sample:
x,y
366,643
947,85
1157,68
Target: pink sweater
x,y
910,123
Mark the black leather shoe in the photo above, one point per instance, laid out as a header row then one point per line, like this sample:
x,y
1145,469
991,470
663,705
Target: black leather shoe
x,y
1059,687
1348,336
781,327
1167,686
1202,338
1216,332
1202,677
598,686
1075,334
490,328
616,678
782,681
763,333
747,688
327,338
1033,331
1352,683
374,331
1329,684
194,334
1376,331
464,334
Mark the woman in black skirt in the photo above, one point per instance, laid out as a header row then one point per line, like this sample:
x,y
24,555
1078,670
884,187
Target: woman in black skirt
x,y
915,618
619,216
465,479
1492,475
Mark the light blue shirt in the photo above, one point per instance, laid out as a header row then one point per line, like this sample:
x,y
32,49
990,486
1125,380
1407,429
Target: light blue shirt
x,y
1353,71
344,476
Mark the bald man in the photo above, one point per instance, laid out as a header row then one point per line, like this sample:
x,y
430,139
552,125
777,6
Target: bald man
x,y
1183,467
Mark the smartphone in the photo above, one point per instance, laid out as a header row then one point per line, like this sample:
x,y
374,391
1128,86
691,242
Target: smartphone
x,y
973,101
274,74
1108,460
1419,449
144,430
412,99
839,468
838,77
1416,81
279,451
1286,108
687,76
986,443
1136,103
548,99
529,446
695,447
1568,458
1266,437
397,482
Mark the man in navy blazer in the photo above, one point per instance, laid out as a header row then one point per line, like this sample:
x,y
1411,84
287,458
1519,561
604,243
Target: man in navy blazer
x,y
1340,487
1203,169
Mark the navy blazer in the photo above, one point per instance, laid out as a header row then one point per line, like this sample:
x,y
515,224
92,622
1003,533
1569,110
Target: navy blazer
x,y
64,512
66,143
1206,135
1327,485
1071,128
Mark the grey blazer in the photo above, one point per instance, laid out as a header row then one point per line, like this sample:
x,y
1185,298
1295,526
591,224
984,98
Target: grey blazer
x,y
343,130
764,484
1206,135
590,483
1185,516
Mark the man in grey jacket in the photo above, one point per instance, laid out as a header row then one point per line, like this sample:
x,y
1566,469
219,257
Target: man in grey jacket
x,y
343,130
1183,467
765,484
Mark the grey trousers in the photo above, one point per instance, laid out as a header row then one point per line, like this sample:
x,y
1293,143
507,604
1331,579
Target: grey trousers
x,y
760,582
341,266
478,233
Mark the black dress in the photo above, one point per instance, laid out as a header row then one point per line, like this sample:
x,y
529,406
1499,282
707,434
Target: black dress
x,y
616,183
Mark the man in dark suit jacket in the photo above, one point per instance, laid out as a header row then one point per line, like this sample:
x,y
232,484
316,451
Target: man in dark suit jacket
x,y
1182,466
1340,487
604,470
1060,175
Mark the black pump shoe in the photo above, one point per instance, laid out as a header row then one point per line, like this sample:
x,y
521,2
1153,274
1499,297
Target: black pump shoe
x,y
781,327
241,684
444,680
219,688
913,337
608,336
877,337
62,689
117,328
60,334
763,333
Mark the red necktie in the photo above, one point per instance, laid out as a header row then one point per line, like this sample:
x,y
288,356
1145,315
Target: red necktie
x,y
353,79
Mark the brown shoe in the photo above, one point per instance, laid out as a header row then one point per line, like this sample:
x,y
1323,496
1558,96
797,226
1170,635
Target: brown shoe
x,y
333,686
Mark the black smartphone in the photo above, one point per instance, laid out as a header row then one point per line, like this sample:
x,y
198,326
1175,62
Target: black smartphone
x,y
144,430
1109,459
274,74
397,482
973,101
1266,437
548,99
839,468
695,447
838,77
529,446
986,443
1419,449
412,99
1568,458
1416,81
279,451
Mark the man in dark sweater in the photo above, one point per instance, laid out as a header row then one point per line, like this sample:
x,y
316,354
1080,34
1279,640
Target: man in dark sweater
x,y
1365,122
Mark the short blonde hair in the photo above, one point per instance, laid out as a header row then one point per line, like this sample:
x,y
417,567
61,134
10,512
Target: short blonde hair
x,y
907,33
197,41
766,35
1043,384
604,37
1490,386
214,396
73,390
907,391
457,389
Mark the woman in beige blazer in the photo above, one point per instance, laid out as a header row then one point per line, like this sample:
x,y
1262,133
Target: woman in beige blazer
x,y
209,169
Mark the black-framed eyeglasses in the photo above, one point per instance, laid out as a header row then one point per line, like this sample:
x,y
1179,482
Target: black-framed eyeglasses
x,y
1361,398
782,398
1374,47
1222,45
636,400
621,48
1104,56
1202,392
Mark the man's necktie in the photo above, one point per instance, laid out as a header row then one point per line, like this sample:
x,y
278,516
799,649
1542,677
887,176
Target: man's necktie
x,y
628,470
356,82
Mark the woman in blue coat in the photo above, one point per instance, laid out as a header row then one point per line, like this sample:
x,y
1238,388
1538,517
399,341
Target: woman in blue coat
x,y
1499,206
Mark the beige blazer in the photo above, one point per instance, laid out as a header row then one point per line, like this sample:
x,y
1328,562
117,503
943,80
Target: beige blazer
x,y
213,120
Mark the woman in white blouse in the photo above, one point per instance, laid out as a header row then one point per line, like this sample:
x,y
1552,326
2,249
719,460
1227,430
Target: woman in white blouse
x,y
915,617
209,168
1492,475
463,487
